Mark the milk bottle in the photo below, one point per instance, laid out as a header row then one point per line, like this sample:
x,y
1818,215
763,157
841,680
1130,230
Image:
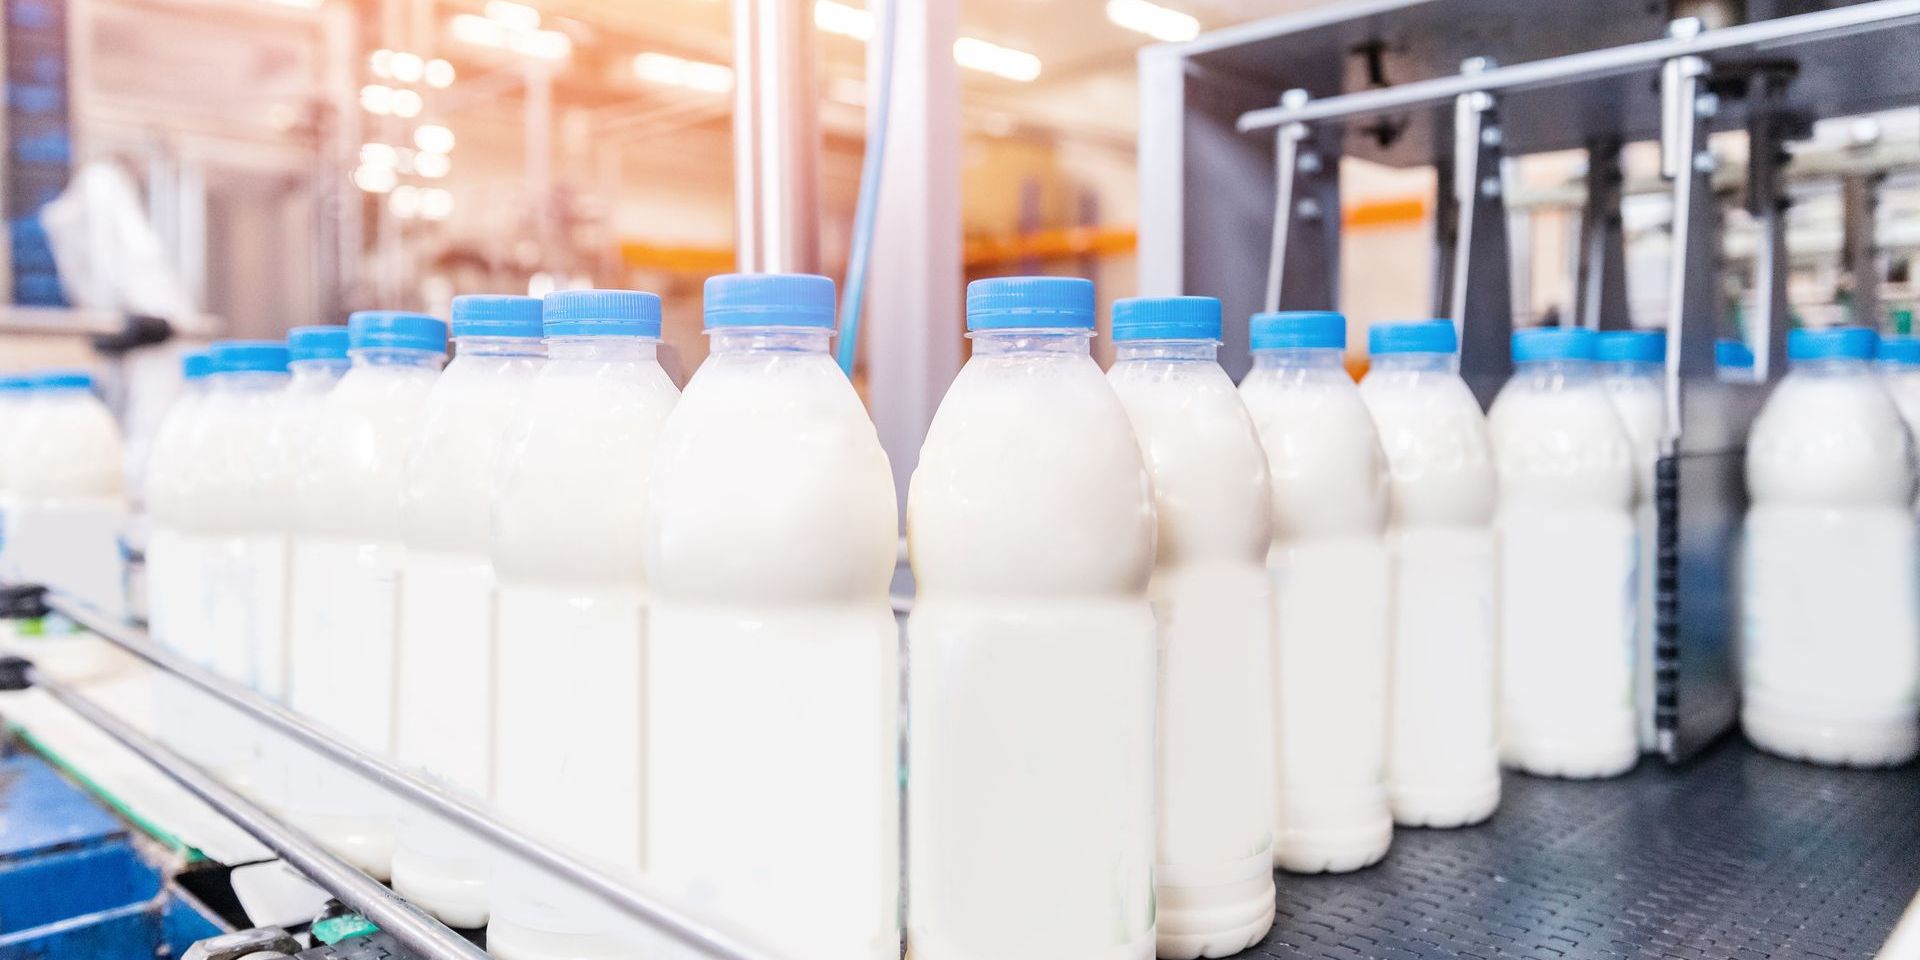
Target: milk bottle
x,y
1443,761
171,470
444,702
773,651
317,360
1031,648
1633,365
1213,880
237,594
1567,553
346,558
1329,565
1831,654
568,552
69,506
15,393
1899,358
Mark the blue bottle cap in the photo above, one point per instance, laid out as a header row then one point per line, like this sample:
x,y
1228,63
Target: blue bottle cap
x,y
1631,346
63,380
1166,318
249,356
395,330
1901,348
14,384
1832,343
1417,336
196,364
1731,354
1553,343
323,342
493,315
1030,303
798,300
1297,330
601,313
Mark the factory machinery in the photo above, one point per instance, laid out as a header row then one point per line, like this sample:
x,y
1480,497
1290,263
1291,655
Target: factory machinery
x,y
1723,852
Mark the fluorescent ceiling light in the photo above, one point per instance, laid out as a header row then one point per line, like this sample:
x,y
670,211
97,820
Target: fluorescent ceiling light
x,y
977,54
439,74
672,71
377,99
433,138
842,19
1152,19
489,32
516,16
407,67
432,166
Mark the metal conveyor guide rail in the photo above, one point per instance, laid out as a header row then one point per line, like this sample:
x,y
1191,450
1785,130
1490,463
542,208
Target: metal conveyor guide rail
x,y
1736,855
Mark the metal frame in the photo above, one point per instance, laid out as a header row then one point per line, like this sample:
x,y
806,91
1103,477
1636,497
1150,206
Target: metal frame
x,y
1481,284
648,909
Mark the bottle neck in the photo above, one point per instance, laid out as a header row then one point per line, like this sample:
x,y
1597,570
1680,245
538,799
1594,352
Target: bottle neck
x,y
1067,342
475,346
1556,368
728,340
1642,369
316,371
248,380
1830,366
1415,362
603,349
397,357
1174,351
1314,358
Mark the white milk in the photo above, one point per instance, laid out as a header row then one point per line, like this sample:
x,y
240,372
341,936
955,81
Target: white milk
x,y
1899,365
1032,649
444,686
319,359
1213,878
239,588
69,505
1567,556
1831,647
1443,758
172,469
1633,372
568,552
773,673
346,559
1330,571
15,393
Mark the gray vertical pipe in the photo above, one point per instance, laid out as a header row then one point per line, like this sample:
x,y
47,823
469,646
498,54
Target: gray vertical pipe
x,y
776,137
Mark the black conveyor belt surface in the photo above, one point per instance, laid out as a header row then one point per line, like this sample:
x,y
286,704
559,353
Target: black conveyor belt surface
x,y
1734,855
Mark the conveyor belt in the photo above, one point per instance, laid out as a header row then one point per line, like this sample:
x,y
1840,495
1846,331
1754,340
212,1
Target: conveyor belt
x,y
1735,855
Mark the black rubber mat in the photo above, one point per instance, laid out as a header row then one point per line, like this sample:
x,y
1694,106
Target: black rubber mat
x,y
1735,855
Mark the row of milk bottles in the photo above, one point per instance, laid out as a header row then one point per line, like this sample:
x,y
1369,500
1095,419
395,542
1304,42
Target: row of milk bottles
x,y
62,493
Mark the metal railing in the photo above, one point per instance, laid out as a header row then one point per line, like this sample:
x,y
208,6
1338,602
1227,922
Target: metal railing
x,y
411,926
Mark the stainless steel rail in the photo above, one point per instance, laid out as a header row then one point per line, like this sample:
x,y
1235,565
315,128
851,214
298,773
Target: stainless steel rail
x,y
1589,65
355,889
656,914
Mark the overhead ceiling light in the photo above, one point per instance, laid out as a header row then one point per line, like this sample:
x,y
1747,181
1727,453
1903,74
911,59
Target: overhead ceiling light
x,y
842,19
404,201
517,16
432,166
407,67
375,179
378,155
381,63
433,138
543,45
1152,19
439,74
436,203
668,70
377,99
977,54
406,103
486,32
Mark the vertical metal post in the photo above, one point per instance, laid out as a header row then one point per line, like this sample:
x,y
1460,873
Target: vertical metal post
x,y
1303,264
1693,295
537,140
1601,291
1481,304
913,326
1446,222
1859,196
1286,163
776,137
1766,327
